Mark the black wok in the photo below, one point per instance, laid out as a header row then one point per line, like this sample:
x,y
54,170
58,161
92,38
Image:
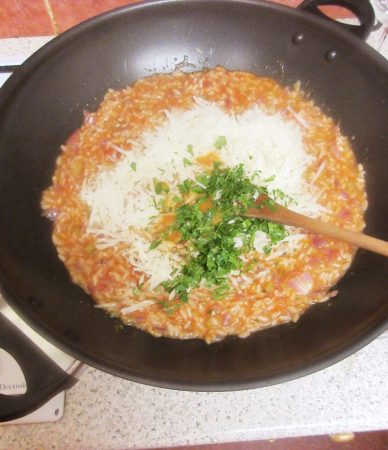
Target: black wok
x,y
43,103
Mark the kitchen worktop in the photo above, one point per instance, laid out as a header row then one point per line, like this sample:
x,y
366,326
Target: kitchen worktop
x,y
106,412
103,411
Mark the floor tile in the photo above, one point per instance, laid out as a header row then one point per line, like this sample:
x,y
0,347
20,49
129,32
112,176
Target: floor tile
x,y
31,17
68,13
375,440
333,11
336,12
24,18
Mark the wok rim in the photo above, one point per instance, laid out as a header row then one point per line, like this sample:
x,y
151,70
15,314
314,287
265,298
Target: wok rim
x,y
57,41
322,362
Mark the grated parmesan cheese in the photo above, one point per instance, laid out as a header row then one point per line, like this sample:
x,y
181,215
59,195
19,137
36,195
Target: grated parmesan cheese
x,y
121,199
137,306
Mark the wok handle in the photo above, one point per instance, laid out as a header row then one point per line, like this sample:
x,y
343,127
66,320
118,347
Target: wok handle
x,y
8,69
43,377
362,9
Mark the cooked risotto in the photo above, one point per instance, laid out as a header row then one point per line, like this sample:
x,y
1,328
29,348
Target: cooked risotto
x,y
148,200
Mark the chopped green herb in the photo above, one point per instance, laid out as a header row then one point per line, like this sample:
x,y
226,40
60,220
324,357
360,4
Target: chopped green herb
x,y
271,204
267,249
268,180
221,291
186,186
161,187
187,162
280,195
173,272
202,179
154,244
250,265
210,233
133,166
136,292
169,307
220,142
190,149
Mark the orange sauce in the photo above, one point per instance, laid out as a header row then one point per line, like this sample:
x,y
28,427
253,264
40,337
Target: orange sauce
x,y
208,159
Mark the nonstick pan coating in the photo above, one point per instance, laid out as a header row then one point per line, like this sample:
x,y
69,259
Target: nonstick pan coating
x,y
43,104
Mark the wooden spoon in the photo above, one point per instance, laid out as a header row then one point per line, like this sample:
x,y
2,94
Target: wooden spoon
x,y
285,216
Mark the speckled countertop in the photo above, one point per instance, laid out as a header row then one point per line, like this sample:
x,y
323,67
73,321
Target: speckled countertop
x,y
106,412
103,411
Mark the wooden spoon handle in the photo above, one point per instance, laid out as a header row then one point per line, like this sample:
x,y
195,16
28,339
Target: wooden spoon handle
x,y
288,217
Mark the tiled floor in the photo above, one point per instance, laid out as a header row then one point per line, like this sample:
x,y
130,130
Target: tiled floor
x,y
47,17
362,441
67,13
24,18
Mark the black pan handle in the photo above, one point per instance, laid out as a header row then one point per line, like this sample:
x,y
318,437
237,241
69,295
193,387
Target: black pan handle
x,y
44,378
362,9
8,69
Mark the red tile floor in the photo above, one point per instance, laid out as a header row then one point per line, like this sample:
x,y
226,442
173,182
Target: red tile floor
x,y
361,441
48,17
